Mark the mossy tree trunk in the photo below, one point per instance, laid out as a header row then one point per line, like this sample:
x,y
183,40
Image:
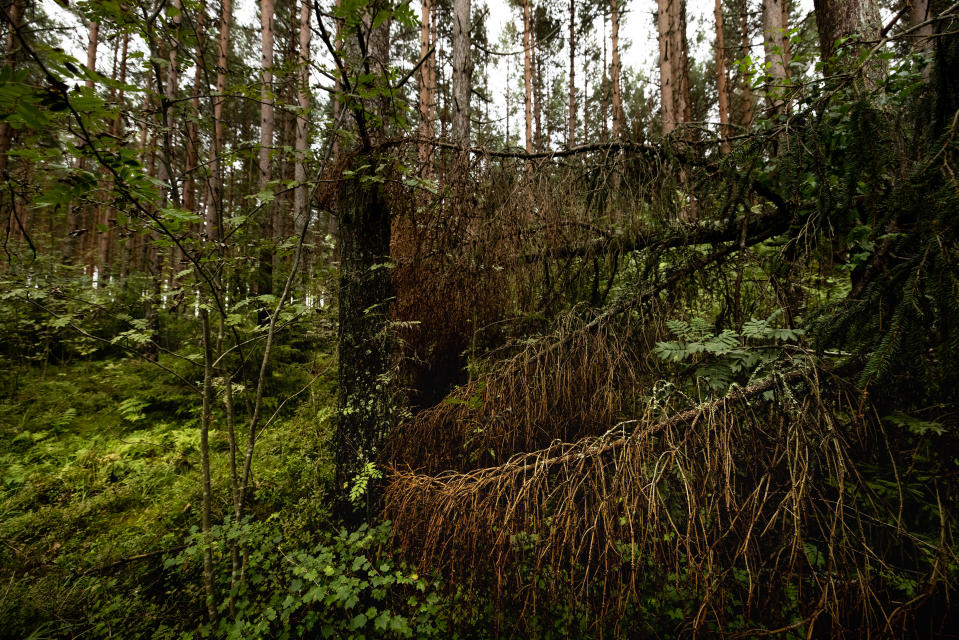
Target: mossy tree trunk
x,y
364,395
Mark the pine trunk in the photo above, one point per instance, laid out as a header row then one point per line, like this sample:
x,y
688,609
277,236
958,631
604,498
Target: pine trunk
x,y
747,111
301,208
843,19
774,44
673,64
616,72
265,272
427,87
93,40
721,91
528,72
461,73
214,218
571,139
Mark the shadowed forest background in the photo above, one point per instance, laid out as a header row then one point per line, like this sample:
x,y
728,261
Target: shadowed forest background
x,y
355,320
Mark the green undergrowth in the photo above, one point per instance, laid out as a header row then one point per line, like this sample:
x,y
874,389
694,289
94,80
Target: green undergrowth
x,y
99,464
100,500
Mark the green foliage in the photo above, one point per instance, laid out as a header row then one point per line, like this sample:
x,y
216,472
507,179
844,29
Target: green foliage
x,y
346,585
360,485
728,356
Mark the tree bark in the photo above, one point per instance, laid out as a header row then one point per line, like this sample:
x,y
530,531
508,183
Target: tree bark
x,y
721,90
214,217
840,19
364,353
364,398
10,60
93,40
616,72
265,272
528,72
6,137
571,136
192,131
774,44
301,205
918,15
537,98
427,86
462,72
747,111
673,63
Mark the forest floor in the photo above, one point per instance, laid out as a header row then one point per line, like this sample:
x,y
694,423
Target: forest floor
x,y
100,470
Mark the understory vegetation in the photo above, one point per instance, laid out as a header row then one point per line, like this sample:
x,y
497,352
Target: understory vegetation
x,y
673,382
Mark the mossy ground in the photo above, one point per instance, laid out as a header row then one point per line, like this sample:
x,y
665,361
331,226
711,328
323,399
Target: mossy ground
x,y
99,463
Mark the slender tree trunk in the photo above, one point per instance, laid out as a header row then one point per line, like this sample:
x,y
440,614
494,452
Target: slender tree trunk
x,y
265,274
747,114
192,133
681,62
106,212
673,64
462,72
301,206
537,100
6,137
616,72
774,43
10,60
93,41
427,87
528,71
604,91
214,218
205,467
88,216
918,15
571,136
585,101
723,95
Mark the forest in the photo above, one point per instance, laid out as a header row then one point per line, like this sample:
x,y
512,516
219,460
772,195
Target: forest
x,y
464,319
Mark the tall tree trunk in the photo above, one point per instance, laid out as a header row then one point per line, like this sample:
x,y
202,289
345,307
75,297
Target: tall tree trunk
x,y
9,60
616,72
167,164
364,399
265,272
537,100
364,352
427,87
841,19
93,41
214,218
673,63
301,206
87,217
192,133
6,138
571,135
945,84
721,91
106,212
747,112
462,72
774,44
919,15
528,71
604,91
